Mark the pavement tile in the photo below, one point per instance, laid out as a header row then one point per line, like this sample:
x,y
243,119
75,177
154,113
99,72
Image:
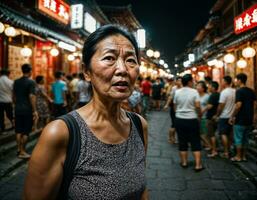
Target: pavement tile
x,y
239,185
203,194
222,175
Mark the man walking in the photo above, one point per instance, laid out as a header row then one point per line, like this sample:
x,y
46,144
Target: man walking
x,y
6,87
25,108
59,89
242,117
224,113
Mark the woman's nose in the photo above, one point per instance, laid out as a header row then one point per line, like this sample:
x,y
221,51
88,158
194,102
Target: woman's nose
x,y
121,67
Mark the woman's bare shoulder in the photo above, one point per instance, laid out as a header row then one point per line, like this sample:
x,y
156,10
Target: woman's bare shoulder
x,y
56,133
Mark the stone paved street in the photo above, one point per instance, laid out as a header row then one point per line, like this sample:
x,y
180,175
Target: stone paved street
x,y
166,180
220,180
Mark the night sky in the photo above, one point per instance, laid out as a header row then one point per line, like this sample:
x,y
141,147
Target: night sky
x,y
170,24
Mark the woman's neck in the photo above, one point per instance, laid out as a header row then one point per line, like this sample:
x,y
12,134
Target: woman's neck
x,y
105,109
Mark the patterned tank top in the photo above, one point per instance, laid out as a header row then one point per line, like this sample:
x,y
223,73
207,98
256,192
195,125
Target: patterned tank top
x,y
108,171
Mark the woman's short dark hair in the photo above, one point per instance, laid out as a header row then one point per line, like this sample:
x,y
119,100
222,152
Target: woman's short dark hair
x,y
203,84
186,79
100,34
39,79
242,77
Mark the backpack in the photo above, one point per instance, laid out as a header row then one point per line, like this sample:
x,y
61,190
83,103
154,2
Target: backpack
x,y
73,149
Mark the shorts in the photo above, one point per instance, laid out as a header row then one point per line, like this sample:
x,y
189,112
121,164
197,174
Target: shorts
x,y
203,127
224,127
173,117
211,127
241,135
188,132
23,123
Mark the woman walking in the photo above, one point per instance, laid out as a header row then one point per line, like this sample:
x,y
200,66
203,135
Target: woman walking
x,y
188,113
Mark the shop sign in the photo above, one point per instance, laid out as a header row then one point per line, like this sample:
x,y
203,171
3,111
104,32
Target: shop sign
x,y
77,16
90,23
57,9
247,20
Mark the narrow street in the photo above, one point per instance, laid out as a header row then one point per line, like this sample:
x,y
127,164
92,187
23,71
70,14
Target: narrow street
x,y
166,180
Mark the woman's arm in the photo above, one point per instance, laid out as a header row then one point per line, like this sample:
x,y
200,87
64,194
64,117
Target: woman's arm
x,y
46,165
145,195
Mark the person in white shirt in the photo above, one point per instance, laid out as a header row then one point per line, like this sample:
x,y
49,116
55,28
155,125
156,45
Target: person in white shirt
x,y
187,108
6,87
84,91
224,113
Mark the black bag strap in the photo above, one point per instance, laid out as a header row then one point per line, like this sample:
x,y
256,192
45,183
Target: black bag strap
x,y
137,121
72,154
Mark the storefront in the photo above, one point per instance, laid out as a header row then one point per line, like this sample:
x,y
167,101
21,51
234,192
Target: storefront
x,y
25,41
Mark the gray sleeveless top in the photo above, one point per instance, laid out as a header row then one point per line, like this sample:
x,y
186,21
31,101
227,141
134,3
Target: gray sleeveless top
x,y
108,171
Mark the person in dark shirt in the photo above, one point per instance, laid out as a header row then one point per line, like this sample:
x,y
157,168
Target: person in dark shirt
x,y
243,116
211,109
25,109
156,93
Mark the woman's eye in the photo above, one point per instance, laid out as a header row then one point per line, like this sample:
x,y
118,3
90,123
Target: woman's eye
x,y
109,58
131,60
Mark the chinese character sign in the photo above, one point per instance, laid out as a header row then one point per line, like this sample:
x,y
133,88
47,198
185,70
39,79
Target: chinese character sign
x,y
246,20
57,9
77,16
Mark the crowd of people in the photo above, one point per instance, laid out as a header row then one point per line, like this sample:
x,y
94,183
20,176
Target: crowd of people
x,y
28,105
202,112
202,107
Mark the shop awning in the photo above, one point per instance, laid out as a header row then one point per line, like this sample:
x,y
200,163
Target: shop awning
x,y
29,24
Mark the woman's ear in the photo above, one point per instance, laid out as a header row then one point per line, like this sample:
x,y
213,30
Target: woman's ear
x,y
86,73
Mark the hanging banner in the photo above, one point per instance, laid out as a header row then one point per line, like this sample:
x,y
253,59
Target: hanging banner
x,y
57,9
247,20
77,16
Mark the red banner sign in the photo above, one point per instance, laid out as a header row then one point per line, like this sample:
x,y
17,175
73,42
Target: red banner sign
x,y
57,9
246,20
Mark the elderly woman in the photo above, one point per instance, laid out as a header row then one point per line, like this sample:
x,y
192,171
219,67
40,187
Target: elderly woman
x,y
111,163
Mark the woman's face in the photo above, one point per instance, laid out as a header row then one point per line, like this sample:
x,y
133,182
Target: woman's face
x,y
199,88
114,68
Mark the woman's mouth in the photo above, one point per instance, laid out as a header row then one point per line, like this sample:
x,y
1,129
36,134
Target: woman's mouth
x,y
121,85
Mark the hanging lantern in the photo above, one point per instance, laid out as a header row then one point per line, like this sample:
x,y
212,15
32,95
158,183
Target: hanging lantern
x,y
219,64
71,57
10,31
156,54
1,27
149,53
161,62
26,52
142,69
54,52
248,52
241,63
229,58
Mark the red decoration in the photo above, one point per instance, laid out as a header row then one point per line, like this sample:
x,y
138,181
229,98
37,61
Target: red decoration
x,y
247,20
57,9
